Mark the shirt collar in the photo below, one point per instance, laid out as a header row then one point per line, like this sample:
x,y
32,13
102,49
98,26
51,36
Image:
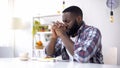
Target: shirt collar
x,y
81,28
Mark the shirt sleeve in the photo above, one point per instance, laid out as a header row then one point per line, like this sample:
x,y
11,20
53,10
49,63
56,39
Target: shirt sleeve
x,y
86,45
58,47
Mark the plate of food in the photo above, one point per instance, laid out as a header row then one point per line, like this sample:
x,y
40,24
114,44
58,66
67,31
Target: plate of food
x,y
47,59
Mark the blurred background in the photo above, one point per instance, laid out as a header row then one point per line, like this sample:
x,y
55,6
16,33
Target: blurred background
x,y
17,38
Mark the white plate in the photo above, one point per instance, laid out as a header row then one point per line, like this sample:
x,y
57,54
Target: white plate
x,y
24,59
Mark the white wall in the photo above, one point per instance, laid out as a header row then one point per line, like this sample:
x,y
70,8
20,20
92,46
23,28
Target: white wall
x,y
95,12
6,52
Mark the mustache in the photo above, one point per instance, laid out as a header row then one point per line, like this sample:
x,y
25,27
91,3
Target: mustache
x,y
72,31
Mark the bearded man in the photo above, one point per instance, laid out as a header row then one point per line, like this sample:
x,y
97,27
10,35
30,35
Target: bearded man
x,y
84,48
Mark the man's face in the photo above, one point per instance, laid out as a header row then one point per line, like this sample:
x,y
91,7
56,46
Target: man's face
x,y
71,22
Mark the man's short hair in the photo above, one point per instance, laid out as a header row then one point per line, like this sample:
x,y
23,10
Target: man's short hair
x,y
74,9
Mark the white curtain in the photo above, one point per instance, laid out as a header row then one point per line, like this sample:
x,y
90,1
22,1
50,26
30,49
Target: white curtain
x,y
5,23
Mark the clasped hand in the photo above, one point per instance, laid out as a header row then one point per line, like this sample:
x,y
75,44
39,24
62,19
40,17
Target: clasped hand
x,y
58,29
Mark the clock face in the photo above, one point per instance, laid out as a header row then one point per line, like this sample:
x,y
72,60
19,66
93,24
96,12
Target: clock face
x,y
112,3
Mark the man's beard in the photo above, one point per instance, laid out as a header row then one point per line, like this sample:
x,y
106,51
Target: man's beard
x,y
73,30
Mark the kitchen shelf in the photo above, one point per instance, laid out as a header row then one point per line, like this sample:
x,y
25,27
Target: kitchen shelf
x,y
44,32
45,35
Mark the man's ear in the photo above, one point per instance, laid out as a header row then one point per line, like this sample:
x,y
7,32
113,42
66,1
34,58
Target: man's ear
x,y
79,18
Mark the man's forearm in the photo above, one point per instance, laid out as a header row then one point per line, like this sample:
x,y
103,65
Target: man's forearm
x,y
69,44
51,47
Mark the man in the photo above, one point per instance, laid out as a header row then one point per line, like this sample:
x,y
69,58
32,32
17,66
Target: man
x,y
86,48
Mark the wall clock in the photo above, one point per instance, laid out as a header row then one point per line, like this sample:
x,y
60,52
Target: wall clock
x,y
112,4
